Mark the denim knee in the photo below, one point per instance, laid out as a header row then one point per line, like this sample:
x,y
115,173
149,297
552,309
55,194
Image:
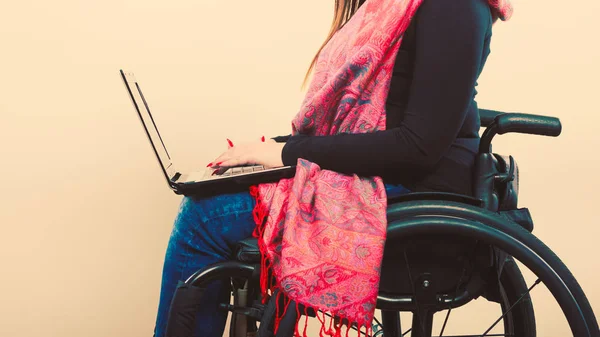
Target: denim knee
x,y
215,224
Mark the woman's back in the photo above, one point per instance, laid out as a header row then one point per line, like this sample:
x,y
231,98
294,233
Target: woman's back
x,y
432,17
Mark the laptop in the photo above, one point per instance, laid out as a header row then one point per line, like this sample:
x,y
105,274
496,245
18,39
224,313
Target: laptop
x,y
206,181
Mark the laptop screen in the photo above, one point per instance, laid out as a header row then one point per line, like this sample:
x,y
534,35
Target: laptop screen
x,y
149,125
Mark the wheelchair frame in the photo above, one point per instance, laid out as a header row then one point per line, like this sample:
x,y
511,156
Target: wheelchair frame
x,y
488,217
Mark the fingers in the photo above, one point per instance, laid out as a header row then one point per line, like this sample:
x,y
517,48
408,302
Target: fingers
x,y
233,162
221,159
243,154
230,158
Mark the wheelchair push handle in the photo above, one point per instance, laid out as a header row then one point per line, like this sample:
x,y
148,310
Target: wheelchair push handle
x,y
530,124
499,123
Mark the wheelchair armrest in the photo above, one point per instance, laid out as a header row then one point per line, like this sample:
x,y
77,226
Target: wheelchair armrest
x,y
444,196
506,122
528,123
516,123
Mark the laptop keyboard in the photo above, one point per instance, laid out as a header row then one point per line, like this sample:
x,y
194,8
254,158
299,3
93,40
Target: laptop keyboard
x,y
243,169
214,174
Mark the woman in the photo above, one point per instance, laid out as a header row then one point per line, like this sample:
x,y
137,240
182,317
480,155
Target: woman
x,y
429,142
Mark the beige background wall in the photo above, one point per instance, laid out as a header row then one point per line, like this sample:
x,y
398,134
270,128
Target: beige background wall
x,y
84,212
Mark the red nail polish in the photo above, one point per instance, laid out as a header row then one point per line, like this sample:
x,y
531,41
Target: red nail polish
x,y
219,163
230,142
209,165
263,139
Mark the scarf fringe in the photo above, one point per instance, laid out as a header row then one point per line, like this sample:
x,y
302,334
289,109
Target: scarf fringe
x,y
260,213
269,286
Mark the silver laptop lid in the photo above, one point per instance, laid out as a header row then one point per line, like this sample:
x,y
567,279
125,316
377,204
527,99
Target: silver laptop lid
x,y
147,120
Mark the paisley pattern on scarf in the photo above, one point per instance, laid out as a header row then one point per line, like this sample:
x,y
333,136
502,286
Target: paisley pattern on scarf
x,y
322,233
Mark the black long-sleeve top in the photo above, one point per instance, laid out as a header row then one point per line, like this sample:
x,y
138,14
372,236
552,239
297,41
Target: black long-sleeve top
x,y
432,128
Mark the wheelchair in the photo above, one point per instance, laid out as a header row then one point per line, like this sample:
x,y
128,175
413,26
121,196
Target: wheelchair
x,y
443,250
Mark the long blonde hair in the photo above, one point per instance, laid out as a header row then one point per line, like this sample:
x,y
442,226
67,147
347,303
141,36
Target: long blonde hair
x,y
344,10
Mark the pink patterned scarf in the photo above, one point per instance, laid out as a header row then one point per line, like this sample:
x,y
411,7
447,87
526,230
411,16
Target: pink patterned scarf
x,y
322,233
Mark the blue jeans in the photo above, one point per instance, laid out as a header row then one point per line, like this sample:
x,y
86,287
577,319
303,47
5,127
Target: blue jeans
x,y
206,231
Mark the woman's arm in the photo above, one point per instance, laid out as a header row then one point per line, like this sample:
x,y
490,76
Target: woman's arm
x,y
449,47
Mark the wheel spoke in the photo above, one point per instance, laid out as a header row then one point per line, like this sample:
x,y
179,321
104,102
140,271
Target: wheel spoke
x,y
492,335
447,316
453,298
538,281
377,321
412,285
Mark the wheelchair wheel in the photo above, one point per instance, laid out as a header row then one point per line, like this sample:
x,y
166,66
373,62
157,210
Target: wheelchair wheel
x,y
415,219
435,274
514,300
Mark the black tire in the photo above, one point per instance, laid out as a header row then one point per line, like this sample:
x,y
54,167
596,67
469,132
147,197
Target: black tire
x,y
521,319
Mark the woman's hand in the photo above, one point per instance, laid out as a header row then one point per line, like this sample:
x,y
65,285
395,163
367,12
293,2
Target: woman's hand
x,y
266,153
